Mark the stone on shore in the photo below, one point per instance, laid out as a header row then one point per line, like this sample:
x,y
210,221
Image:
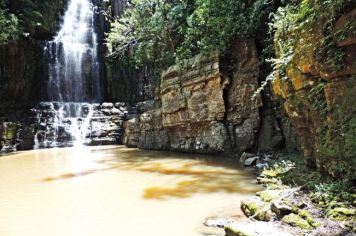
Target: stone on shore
x,y
255,207
281,209
251,161
296,221
249,228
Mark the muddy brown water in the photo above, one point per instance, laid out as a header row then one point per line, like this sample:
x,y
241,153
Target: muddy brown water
x,y
114,190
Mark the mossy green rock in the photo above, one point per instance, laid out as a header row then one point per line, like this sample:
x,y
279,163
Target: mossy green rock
x,y
297,221
261,180
269,195
343,213
270,173
321,101
233,231
256,207
308,217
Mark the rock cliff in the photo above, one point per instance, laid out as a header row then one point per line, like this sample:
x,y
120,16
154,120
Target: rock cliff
x,y
23,67
202,107
318,93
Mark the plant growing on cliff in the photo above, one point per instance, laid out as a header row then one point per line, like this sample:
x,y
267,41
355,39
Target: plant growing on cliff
x,y
296,23
29,18
8,24
167,31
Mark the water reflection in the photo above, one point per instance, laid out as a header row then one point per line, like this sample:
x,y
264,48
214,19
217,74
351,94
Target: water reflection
x,y
113,190
206,174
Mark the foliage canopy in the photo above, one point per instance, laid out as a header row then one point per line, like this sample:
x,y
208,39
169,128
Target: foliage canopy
x,y
28,18
168,31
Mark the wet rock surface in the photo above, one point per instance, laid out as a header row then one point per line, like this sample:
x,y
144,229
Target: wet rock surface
x,y
248,228
56,124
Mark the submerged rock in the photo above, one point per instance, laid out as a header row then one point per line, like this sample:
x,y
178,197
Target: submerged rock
x,y
217,222
249,228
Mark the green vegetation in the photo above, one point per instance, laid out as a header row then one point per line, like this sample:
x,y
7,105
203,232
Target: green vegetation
x,y
164,32
28,18
336,197
8,24
296,22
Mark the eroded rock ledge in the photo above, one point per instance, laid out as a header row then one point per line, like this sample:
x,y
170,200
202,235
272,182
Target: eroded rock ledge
x,y
203,108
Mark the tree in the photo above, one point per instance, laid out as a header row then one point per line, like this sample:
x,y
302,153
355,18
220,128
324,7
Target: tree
x,y
167,31
8,24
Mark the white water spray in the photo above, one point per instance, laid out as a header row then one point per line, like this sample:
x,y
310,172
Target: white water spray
x,y
74,66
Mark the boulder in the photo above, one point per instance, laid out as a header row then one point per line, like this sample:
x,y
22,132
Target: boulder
x,y
246,155
269,195
296,221
249,228
280,209
251,161
254,206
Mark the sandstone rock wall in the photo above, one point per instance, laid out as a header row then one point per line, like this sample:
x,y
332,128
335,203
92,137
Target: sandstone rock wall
x,y
201,107
320,101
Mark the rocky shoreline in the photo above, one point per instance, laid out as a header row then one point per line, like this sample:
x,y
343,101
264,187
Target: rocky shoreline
x,y
286,208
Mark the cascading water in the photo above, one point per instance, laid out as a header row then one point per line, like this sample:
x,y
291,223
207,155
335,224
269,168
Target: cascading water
x,y
74,66
73,80
63,124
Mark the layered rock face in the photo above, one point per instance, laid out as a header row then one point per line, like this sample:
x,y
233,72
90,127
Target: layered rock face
x,y
23,67
202,108
21,77
54,124
320,99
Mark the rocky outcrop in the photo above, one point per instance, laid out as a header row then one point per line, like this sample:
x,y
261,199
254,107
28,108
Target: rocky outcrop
x,y
318,96
65,124
55,124
202,107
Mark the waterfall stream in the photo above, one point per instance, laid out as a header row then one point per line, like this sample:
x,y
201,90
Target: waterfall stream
x,y
73,76
74,66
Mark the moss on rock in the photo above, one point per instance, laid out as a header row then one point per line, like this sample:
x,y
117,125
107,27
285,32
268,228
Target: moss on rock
x,y
257,208
268,195
297,221
343,213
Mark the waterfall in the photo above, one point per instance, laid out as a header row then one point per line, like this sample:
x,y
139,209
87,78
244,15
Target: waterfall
x,y
63,124
73,80
73,61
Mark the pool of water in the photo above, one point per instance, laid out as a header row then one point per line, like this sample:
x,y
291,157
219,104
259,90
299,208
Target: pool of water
x,y
114,190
